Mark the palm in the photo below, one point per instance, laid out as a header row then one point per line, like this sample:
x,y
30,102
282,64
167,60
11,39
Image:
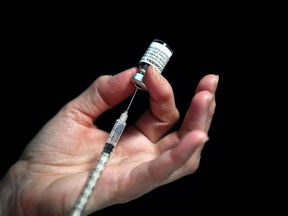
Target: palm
x,y
64,167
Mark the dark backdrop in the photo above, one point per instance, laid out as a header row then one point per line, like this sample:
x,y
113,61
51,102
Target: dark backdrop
x,y
50,59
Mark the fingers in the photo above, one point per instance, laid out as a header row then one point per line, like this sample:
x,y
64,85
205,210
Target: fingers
x,y
163,114
173,163
175,158
208,83
104,93
202,107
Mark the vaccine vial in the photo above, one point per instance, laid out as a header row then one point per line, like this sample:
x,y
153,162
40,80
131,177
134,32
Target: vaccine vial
x,y
157,55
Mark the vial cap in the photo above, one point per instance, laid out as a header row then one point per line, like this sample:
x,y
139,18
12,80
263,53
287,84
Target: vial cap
x,y
138,80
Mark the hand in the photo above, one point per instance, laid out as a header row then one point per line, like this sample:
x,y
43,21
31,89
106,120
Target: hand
x,y
53,168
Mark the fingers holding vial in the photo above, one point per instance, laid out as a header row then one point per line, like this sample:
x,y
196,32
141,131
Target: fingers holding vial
x,y
162,115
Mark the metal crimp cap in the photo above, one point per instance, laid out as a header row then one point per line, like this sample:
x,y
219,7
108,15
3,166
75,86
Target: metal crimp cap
x,y
138,80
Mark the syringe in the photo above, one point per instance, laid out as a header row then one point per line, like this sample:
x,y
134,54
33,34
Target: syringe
x,y
95,173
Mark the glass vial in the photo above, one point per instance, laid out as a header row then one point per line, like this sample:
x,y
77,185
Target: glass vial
x,y
157,55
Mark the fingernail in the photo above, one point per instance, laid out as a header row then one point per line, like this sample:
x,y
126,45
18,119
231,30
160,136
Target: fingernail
x,y
156,73
210,98
206,139
216,83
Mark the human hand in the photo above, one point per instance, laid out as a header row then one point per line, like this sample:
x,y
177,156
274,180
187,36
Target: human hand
x,y
53,168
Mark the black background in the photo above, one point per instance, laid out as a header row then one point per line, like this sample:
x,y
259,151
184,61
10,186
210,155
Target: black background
x,y
51,56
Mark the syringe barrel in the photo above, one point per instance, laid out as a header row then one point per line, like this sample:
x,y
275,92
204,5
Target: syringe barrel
x,y
90,185
117,129
95,174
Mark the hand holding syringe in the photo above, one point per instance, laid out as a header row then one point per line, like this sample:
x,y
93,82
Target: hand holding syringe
x,y
53,166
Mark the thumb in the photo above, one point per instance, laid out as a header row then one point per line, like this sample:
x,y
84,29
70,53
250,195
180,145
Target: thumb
x,y
104,93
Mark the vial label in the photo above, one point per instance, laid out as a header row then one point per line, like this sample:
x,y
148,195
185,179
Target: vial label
x,y
157,55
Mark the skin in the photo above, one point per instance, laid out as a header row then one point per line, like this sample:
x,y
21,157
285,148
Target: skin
x,y
49,175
